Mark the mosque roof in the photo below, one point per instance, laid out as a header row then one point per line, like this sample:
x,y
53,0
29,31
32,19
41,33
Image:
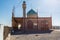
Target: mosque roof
x,y
31,12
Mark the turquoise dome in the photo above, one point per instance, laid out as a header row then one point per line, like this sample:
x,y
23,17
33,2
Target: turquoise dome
x,y
31,12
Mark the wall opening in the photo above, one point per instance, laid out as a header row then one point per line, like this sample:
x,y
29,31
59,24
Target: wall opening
x,y
19,26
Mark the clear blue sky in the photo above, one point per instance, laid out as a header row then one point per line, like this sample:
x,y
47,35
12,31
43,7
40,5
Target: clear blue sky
x,y
45,8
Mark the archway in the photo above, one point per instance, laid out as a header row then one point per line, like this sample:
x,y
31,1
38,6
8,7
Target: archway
x,y
30,25
19,26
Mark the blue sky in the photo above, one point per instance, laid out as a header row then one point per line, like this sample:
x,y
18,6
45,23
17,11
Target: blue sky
x,y
45,8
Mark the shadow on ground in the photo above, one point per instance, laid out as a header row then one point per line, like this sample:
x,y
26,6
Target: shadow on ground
x,y
19,32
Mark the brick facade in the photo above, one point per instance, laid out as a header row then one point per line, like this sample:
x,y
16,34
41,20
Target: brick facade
x,y
42,23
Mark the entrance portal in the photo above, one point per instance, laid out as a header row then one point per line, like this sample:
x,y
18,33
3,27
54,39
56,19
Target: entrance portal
x,y
30,25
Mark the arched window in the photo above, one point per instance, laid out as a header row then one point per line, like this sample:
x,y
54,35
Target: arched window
x,y
19,26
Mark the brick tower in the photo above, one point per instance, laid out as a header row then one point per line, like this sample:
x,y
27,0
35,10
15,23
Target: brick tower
x,y
24,9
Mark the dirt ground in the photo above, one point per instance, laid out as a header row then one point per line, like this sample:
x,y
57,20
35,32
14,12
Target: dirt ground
x,y
54,35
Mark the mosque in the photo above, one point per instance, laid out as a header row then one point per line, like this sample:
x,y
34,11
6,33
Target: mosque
x,y
31,21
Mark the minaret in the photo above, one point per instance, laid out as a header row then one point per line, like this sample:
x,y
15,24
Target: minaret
x,y
13,11
24,9
13,16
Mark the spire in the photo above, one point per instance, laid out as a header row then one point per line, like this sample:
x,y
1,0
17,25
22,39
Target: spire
x,y
13,11
37,12
51,15
24,9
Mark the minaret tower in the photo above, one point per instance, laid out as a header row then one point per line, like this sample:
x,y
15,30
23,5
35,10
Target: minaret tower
x,y
13,17
24,9
13,11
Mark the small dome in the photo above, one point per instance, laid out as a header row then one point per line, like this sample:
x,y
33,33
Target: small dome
x,y
32,13
24,2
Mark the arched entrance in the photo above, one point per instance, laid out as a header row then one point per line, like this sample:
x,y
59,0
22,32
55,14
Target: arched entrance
x,y
30,25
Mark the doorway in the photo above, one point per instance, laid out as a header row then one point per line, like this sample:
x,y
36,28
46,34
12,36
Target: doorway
x,y
30,25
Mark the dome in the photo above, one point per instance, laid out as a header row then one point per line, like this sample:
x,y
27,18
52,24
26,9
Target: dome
x,y
24,2
31,12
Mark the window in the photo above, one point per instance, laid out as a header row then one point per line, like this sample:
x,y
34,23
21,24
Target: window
x,y
35,24
19,26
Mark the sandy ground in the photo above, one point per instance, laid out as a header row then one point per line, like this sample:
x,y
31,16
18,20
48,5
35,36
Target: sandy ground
x,y
55,35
